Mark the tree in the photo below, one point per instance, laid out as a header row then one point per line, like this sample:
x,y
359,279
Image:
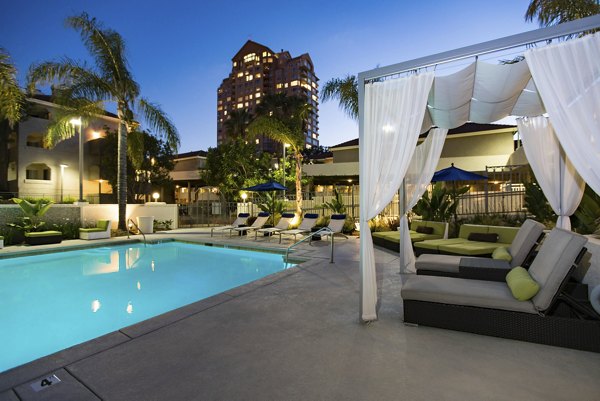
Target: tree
x,y
236,124
283,118
553,12
345,90
150,157
12,99
110,81
235,165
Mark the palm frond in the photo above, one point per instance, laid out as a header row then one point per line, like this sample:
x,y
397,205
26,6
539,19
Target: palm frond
x,y
12,99
108,49
60,127
61,72
272,128
552,12
345,90
159,121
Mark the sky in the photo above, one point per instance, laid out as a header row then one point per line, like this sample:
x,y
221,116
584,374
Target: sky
x,y
180,51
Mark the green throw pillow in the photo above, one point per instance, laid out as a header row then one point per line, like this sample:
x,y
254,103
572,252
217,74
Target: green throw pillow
x,y
522,286
502,254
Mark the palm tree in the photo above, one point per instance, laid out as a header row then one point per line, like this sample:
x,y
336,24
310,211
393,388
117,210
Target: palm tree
x,y
237,123
12,99
282,118
345,90
109,81
552,12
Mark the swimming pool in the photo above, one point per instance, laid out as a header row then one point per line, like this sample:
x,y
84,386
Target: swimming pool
x,y
53,301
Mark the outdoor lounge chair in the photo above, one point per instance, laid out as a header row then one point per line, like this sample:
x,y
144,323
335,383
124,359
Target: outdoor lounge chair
x,y
102,230
308,222
283,224
496,268
260,221
489,308
335,226
241,219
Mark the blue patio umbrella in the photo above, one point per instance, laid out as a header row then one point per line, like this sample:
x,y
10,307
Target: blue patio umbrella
x,y
456,174
266,186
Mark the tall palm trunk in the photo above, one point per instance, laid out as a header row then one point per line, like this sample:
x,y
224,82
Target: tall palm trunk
x,y
122,171
298,183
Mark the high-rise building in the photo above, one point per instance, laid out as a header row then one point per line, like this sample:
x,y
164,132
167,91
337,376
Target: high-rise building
x,y
257,71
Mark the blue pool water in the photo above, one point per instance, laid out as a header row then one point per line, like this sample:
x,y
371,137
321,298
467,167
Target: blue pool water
x,y
52,301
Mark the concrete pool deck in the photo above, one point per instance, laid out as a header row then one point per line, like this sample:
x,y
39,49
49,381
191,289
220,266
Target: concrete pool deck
x,y
296,335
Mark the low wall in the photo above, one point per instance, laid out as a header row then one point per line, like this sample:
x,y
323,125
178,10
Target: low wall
x,y
91,213
56,214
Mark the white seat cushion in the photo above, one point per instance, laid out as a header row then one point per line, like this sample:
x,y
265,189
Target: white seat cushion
x,y
438,263
465,292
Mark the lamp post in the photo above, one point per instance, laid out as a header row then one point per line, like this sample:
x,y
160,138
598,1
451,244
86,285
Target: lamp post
x,y
76,123
62,179
155,196
100,181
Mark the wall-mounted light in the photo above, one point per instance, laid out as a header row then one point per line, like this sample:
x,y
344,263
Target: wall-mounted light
x,y
155,196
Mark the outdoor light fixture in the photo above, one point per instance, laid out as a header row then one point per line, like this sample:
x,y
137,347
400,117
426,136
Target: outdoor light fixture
x,y
244,196
96,135
155,196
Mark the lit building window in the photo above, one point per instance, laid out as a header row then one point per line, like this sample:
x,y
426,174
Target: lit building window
x,y
235,63
279,86
249,78
257,75
225,113
249,57
240,74
240,105
246,104
314,136
294,83
220,108
258,95
314,98
286,85
250,97
308,146
257,141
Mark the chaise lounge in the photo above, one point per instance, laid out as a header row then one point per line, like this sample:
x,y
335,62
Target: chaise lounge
x,y
283,224
492,308
260,221
43,237
101,231
503,259
241,219
308,222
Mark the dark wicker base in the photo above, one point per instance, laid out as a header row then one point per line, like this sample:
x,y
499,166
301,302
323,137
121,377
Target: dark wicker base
x,y
49,239
550,330
422,251
391,245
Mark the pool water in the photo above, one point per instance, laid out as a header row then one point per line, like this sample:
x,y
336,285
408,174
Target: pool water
x,y
53,301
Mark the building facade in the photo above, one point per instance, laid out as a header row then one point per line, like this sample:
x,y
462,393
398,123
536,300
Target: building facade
x,y
257,71
29,169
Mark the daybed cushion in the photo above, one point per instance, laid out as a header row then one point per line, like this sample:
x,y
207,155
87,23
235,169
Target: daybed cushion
x,y
457,291
502,253
102,224
521,285
92,230
42,234
553,263
435,244
472,248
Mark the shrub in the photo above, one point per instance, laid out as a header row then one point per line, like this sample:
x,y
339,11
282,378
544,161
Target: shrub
x,y
384,224
162,224
69,229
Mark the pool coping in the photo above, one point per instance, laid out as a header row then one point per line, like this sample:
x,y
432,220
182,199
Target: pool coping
x,y
30,371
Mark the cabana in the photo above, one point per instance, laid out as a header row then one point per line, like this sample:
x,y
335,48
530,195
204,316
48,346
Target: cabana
x,y
555,90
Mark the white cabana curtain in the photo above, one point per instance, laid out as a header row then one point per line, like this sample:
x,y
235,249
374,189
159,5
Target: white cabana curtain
x,y
555,173
567,76
393,114
418,177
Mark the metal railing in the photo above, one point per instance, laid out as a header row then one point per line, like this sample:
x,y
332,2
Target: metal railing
x,y
132,223
309,237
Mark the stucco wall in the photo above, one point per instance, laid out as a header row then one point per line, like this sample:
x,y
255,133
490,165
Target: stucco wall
x,y
56,214
91,213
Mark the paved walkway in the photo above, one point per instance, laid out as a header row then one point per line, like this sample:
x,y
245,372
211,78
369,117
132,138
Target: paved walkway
x,y
296,336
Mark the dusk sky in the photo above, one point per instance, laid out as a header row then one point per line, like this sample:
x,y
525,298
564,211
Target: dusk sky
x,y
180,51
